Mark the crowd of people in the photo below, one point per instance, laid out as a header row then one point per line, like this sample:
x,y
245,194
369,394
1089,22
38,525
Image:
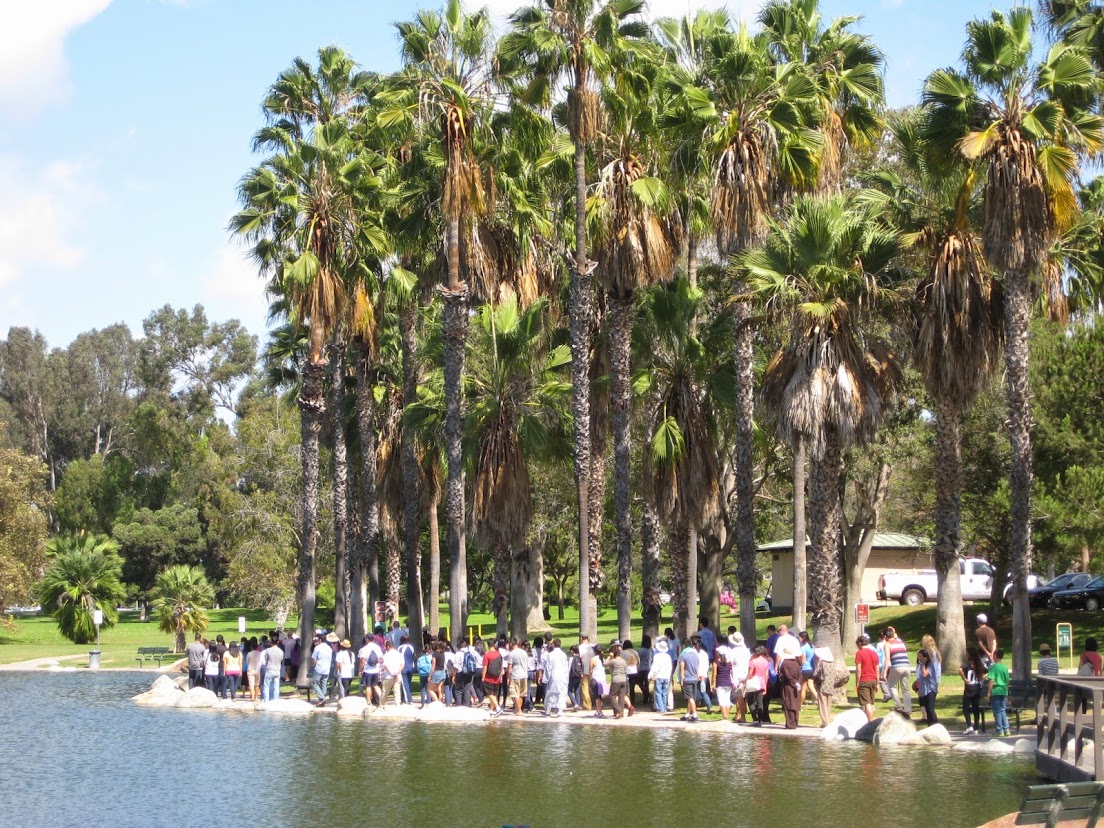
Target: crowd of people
x,y
707,671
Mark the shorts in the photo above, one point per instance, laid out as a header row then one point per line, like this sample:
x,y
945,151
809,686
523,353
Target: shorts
x,y
867,690
490,688
690,689
518,688
254,678
370,680
437,677
724,696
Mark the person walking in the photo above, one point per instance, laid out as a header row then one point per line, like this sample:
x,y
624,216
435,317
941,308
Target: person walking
x,y
866,675
756,686
660,675
619,682
586,656
556,668
740,657
688,678
897,673
789,679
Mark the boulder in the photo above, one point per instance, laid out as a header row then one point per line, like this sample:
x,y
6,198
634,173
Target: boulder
x,y
995,746
934,735
289,706
867,731
894,730
197,697
1023,746
352,706
844,725
163,693
181,682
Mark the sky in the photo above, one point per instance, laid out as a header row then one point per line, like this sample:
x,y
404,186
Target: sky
x,y
125,126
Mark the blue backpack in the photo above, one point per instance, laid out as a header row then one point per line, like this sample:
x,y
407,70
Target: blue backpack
x,y
425,665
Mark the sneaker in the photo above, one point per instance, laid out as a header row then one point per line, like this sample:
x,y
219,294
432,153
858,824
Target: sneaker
x,y
968,731
684,718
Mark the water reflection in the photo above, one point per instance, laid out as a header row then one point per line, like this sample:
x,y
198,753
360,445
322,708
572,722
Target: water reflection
x,y
74,751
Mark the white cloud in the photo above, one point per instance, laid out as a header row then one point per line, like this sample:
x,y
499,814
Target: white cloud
x,y
232,288
42,209
33,69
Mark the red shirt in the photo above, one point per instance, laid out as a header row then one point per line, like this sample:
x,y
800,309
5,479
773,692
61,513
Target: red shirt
x,y
488,657
866,664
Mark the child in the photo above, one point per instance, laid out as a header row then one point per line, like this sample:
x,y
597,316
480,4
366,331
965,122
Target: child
x,y
998,693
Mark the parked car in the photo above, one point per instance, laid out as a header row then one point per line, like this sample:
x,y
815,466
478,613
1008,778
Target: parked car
x,y
1040,596
1088,596
914,588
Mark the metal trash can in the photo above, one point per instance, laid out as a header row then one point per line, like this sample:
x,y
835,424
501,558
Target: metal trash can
x,y
93,659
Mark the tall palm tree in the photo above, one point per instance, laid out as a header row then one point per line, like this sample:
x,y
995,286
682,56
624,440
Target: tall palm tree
x,y
445,93
637,233
179,597
83,576
575,43
1079,23
824,271
302,213
1024,123
957,338
682,375
763,144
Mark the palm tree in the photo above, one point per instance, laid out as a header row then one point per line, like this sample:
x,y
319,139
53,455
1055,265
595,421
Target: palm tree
x,y
682,378
1079,23
575,43
957,339
1024,123
637,234
83,576
444,94
761,139
823,270
179,596
302,212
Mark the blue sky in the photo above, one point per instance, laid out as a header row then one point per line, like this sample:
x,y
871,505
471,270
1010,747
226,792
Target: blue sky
x,y
125,126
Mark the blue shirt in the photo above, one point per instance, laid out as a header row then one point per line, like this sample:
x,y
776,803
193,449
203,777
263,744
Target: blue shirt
x,y
323,659
689,658
810,656
708,640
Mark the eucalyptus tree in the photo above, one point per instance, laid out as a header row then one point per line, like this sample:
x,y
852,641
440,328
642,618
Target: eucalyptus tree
x,y
825,271
444,93
302,213
763,144
637,233
1026,123
683,373
958,329
575,44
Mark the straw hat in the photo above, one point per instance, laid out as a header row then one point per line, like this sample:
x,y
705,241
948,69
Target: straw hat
x,y
736,639
661,645
332,639
345,643
824,654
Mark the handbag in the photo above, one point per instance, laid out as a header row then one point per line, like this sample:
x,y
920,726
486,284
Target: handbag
x,y
916,686
754,684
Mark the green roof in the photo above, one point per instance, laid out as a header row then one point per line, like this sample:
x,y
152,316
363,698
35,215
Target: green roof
x,y
882,540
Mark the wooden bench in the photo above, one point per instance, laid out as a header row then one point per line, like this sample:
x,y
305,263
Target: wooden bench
x,y
151,653
1051,804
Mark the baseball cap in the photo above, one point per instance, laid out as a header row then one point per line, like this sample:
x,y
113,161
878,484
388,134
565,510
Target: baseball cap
x,y
983,618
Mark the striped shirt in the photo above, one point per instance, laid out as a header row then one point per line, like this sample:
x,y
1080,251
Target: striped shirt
x,y
898,654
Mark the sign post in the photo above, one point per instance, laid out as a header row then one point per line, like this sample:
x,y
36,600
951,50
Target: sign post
x,y
1064,634
94,655
241,625
862,616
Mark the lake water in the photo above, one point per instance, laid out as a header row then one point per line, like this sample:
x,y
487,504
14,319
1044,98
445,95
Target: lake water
x,y
74,751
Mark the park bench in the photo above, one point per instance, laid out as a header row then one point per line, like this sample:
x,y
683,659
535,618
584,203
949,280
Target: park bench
x,y
1051,804
151,653
1022,695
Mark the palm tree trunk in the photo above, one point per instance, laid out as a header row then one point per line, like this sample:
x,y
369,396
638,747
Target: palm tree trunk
x,y
950,631
743,449
434,565
678,543
825,577
340,491
579,310
500,607
691,540
456,336
312,405
653,606
369,494
358,587
412,525
596,519
1017,315
620,334
800,575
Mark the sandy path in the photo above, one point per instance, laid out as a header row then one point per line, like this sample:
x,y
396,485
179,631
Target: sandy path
x,y
41,663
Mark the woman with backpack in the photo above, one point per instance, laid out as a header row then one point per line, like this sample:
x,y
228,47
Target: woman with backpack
x,y
424,665
575,679
972,671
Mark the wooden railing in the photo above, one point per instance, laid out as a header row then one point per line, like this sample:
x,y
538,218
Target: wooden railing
x,y
1070,711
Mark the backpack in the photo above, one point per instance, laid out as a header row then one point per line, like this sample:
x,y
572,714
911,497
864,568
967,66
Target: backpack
x,y
471,664
373,658
425,665
576,667
494,667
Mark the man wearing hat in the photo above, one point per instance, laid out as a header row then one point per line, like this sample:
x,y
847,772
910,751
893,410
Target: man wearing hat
x,y
660,674
740,657
986,638
1048,664
321,664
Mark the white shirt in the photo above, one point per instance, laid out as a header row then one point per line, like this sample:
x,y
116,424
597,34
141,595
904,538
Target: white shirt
x,y
586,653
365,651
345,664
740,657
662,667
556,667
703,663
787,647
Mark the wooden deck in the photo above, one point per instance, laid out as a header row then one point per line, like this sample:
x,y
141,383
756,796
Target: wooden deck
x,y
1070,713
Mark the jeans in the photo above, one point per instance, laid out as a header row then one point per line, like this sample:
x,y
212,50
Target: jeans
x,y
703,694
195,677
971,706
319,684
1000,714
927,703
408,695
424,682
213,683
574,691
233,682
463,689
270,690
662,686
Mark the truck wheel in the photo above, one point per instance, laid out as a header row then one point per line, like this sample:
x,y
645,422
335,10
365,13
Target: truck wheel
x,y
912,597
1092,604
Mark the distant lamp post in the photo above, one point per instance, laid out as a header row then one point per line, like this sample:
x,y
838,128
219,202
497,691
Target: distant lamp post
x,y
94,655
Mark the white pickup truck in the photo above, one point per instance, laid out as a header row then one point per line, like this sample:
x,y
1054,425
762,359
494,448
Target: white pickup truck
x,y
914,588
